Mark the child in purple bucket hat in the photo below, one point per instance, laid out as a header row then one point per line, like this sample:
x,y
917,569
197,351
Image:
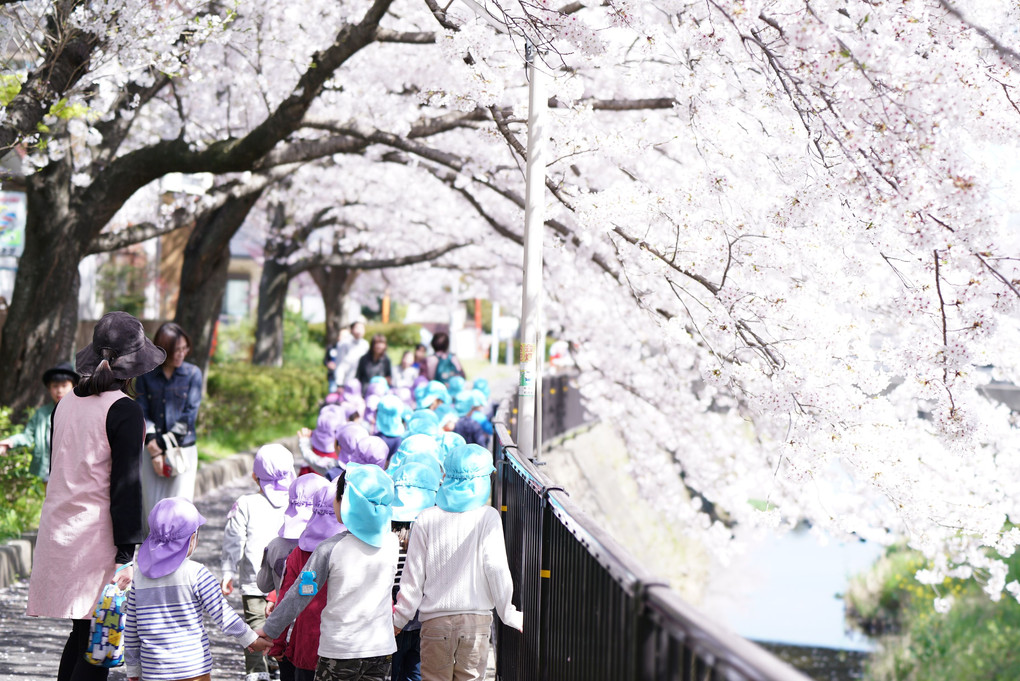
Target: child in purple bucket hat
x,y
251,524
164,638
298,645
297,515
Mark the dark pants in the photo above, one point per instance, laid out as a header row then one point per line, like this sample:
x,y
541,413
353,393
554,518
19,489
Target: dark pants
x,y
360,669
256,668
407,659
73,666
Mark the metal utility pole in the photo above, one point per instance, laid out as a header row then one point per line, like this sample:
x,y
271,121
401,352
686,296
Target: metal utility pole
x,y
529,402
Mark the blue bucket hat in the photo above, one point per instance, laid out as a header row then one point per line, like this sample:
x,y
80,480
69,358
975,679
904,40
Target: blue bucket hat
x,y
413,445
448,442
467,400
388,415
434,390
466,485
366,507
482,385
423,422
456,384
447,417
414,489
377,385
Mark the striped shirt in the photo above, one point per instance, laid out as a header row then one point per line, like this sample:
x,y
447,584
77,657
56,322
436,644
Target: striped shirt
x,y
164,637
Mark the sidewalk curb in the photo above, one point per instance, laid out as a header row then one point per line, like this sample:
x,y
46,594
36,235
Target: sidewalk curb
x,y
16,554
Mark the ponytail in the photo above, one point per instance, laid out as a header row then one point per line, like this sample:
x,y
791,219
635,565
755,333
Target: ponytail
x,y
102,379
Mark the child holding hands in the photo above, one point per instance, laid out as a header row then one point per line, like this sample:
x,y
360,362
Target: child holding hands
x,y
164,638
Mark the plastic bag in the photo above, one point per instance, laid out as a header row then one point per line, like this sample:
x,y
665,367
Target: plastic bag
x,y
106,633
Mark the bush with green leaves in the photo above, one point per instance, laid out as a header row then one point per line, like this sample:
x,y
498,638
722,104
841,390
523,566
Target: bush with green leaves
x,y
245,403
397,335
977,639
21,491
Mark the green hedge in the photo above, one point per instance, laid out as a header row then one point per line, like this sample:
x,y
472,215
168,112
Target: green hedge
x,y
397,335
22,492
241,397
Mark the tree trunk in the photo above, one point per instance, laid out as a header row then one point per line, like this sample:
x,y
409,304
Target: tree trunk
x,y
204,273
269,321
43,315
334,283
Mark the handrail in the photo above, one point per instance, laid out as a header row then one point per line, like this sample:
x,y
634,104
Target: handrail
x,y
600,613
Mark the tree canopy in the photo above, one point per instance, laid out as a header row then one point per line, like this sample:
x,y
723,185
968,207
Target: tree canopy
x,y
783,232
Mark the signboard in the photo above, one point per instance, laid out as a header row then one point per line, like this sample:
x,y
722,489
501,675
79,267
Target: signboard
x,y
13,213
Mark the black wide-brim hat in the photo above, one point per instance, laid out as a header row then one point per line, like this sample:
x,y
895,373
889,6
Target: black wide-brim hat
x,y
123,339
64,370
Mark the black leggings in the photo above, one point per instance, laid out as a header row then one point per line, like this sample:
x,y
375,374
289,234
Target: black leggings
x,y
73,666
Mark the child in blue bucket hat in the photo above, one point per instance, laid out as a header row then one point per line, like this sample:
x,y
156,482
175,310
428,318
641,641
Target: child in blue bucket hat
x,y
457,572
469,403
434,394
389,421
414,445
414,486
164,637
358,564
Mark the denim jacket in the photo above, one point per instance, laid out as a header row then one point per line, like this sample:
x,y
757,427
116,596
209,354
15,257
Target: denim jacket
x,y
170,406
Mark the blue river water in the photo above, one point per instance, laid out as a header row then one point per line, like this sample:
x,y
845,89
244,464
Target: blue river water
x,y
787,589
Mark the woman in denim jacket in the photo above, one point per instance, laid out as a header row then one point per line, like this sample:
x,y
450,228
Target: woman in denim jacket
x,y
169,396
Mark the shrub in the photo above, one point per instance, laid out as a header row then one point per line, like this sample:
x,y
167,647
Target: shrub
x,y
397,335
22,492
241,397
977,640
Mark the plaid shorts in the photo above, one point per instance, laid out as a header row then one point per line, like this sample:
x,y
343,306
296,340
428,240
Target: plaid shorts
x,y
360,669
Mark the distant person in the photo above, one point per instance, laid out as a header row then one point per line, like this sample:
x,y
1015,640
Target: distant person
x,y
342,359
59,381
375,363
170,396
443,365
406,372
92,516
421,353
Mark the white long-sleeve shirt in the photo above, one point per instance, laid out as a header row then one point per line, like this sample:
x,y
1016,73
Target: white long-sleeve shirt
x,y
456,565
251,524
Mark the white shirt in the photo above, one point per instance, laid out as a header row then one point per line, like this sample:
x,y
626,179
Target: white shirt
x,y
456,565
348,353
251,524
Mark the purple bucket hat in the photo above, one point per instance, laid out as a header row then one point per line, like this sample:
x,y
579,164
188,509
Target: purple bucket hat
x,y
172,521
323,523
377,386
274,468
299,510
323,438
371,450
347,437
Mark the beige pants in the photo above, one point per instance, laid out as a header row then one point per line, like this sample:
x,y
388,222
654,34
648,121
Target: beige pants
x,y
455,647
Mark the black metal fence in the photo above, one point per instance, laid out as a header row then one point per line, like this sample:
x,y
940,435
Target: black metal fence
x,y
591,613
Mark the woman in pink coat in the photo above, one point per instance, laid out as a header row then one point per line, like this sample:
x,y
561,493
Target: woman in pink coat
x,y
92,515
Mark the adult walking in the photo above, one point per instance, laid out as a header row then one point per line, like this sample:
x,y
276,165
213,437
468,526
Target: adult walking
x,y
342,359
443,365
92,515
169,396
374,363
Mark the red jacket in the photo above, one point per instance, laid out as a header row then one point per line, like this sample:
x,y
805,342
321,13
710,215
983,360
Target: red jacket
x,y
303,647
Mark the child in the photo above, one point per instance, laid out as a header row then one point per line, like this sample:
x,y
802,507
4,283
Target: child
x,y
59,381
297,515
406,371
389,421
414,489
347,438
323,438
252,522
164,637
470,402
414,445
433,394
299,648
356,639
457,572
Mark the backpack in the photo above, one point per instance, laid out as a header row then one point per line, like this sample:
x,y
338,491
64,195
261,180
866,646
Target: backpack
x,y
446,369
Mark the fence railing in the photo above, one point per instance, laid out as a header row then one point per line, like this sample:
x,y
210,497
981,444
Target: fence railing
x,y
591,613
